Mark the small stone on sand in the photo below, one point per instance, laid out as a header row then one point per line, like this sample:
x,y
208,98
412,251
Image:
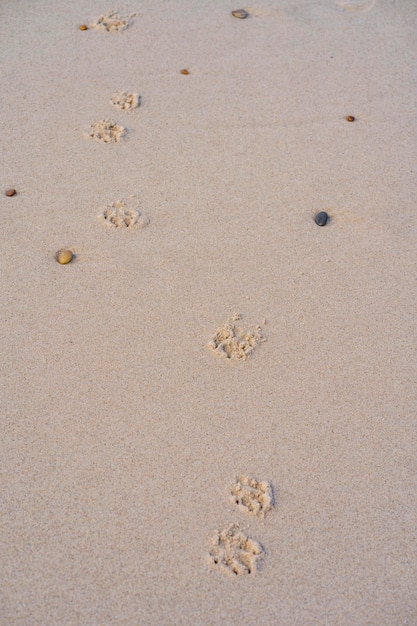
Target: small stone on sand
x,y
64,256
241,14
321,218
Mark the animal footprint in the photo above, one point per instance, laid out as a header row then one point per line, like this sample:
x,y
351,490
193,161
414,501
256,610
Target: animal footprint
x,y
253,496
232,342
233,552
119,215
125,100
113,22
359,6
106,131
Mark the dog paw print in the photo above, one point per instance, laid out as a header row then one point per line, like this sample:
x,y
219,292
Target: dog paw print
x,y
119,215
230,341
106,131
233,552
253,496
125,100
113,22
358,6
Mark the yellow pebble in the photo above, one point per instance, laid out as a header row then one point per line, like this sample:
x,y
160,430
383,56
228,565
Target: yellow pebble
x,y
241,14
64,256
83,27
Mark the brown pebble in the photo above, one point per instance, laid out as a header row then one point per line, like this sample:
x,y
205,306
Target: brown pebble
x,y
64,256
83,27
10,192
241,14
185,72
350,118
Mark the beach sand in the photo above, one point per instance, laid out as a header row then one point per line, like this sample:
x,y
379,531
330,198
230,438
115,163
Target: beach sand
x,y
124,434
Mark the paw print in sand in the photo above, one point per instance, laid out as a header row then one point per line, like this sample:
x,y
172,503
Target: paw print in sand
x,y
113,22
253,496
232,342
119,215
233,552
106,131
125,100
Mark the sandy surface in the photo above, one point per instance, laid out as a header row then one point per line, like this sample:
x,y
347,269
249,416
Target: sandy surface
x,y
123,433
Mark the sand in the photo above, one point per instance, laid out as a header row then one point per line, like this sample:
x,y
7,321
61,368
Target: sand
x,y
124,434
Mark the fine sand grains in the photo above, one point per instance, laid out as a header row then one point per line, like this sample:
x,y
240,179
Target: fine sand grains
x,y
125,100
232,342
233,552
118,215
113,22
253,496
106,131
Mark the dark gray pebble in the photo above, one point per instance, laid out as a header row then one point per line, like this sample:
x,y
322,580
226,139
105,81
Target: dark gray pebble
x,y
321,218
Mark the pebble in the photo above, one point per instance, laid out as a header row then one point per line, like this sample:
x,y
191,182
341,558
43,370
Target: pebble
x,y
350,118
64,256
241,14
10,192
321,218
185,72
83,27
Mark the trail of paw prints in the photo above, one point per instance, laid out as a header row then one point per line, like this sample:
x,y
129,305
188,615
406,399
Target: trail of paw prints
x,y
253,496
108,131
231,341
233,552
119,215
